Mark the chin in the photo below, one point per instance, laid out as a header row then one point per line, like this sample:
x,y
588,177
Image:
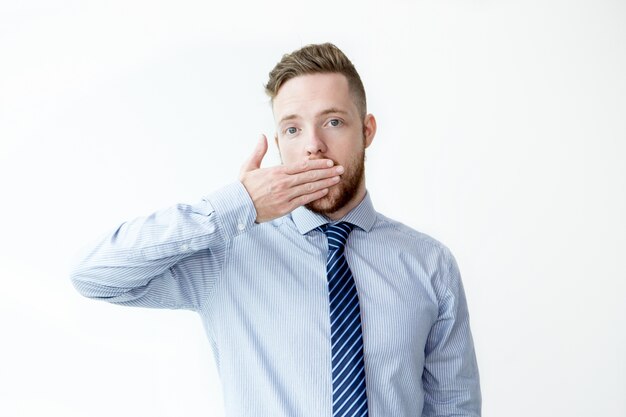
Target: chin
x,y
337,197
327,204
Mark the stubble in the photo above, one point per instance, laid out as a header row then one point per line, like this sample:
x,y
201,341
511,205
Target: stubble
x,y
343,192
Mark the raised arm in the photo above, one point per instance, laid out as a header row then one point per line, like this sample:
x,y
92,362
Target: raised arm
x,y
169,259
173,257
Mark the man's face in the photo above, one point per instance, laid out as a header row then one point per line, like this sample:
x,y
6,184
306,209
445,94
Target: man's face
x,y
316,118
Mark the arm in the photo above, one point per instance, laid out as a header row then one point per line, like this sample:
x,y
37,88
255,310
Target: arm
x,y
451,379
169,259
173,257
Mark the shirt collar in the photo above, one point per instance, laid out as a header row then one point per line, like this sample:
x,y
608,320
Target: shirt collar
x,y
363,216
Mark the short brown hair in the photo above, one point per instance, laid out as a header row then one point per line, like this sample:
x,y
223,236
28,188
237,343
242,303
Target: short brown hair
x,y
313,59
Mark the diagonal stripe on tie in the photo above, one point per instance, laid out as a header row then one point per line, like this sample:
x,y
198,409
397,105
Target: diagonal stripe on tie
x,y
347,365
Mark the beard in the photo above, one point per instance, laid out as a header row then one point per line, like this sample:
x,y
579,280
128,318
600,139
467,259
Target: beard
x,y
345,190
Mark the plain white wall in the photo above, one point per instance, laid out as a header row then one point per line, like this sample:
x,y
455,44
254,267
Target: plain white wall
x,y
501,132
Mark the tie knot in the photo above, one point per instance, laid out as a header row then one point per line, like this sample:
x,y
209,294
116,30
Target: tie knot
x,y
337,234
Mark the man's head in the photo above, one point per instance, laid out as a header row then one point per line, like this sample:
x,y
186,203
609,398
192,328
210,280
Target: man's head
x,y
316,59
319,107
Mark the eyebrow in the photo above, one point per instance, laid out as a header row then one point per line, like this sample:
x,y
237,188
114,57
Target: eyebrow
x,y
322,113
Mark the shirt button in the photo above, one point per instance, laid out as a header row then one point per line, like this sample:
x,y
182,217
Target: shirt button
x,y
241,226
184,246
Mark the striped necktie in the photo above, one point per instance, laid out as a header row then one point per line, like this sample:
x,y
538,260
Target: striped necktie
x,y
348,372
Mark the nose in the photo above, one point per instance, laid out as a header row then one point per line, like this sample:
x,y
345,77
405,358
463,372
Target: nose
x,y
315,143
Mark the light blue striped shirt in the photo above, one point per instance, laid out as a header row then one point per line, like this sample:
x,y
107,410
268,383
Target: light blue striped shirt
x,y
261,291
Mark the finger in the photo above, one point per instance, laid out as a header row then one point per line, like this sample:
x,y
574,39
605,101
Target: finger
x,y
306,165
254,161
312,187
307,198
315,175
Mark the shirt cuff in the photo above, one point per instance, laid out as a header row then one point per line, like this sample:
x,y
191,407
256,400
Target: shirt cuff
x,y
233,207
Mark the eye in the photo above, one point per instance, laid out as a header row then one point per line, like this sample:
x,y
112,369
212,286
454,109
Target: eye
x,y
335,122
291,130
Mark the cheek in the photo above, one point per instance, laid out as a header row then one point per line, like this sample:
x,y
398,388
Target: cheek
x,y
290,152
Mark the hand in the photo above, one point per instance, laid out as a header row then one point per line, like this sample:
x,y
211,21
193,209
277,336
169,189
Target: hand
x,y
279,190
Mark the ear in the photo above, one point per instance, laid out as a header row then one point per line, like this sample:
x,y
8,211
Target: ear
x,y
369,129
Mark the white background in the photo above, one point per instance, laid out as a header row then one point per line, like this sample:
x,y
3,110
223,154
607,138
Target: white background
x,y
501,133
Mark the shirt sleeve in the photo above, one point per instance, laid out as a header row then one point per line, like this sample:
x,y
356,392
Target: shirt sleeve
x,y
171,258
450,379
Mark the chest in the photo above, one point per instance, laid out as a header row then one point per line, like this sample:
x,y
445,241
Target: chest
x,y
274,294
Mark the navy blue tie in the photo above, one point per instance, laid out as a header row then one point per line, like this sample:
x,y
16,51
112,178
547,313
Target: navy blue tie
x,y
348,371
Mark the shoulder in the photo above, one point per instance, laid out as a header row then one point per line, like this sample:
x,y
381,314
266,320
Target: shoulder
x,y
399,230
419,250
409,239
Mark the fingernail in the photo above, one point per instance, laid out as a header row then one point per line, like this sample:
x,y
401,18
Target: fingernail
x,y
339,170
329,163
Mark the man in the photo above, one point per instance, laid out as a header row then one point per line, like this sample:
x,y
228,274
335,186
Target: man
x,y
314,303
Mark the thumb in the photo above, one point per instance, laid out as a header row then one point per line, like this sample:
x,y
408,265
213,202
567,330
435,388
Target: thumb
x,y
254,161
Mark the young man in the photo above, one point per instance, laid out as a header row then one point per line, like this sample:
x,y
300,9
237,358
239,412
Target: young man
x,y
314,303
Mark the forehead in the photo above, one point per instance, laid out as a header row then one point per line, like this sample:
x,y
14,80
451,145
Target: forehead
x,y
307,95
